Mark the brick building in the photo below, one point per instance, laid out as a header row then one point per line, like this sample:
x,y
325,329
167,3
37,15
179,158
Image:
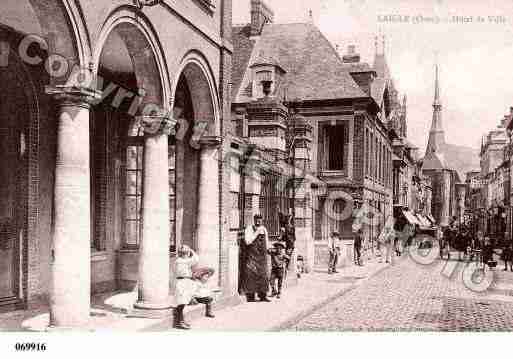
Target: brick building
x,y
298,100
89,87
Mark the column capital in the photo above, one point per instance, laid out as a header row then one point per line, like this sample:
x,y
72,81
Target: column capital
x,y
210,141
160,123
74,95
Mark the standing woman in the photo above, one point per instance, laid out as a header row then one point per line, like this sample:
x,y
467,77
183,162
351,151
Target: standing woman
x,y
255,277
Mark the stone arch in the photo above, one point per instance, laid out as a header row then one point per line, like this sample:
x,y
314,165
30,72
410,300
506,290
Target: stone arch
x,y
57,27
145,50
198,75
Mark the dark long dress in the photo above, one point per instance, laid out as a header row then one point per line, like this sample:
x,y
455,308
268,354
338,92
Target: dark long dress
x,y
255,277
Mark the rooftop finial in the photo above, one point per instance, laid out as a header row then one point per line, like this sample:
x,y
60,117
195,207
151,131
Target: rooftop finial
x,y
310,16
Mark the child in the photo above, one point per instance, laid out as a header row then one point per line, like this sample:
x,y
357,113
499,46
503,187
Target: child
x,y
185,286
507,256
279,262
203,294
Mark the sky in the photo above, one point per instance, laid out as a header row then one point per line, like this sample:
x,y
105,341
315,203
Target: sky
x,y
475,55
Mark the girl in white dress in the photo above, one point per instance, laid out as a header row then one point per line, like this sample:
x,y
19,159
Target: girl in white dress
x,y
185,285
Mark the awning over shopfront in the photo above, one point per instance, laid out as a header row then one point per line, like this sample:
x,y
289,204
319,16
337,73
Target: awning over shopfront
x,y
424,222
411,218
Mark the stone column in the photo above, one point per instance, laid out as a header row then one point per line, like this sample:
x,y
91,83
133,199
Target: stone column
x,y
70,290
208,207
153,285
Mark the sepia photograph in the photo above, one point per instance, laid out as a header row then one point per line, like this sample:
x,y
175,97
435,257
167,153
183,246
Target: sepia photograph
x,y
292,167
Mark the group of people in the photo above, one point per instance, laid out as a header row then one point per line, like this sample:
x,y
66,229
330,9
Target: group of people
x,y
335,247
258,277
389,244
257,251
473,246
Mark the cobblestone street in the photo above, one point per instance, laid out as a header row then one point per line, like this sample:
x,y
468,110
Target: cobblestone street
x,y
410,297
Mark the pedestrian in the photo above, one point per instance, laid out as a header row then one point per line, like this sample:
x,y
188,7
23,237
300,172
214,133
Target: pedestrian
x,y
185,285
203,293
488,252
279,262
388,238
255,278
460,243
441,243
358,241
287,235
334,252
448,241
507,256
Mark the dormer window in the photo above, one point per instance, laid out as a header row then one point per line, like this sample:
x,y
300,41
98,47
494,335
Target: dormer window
x,y
266,74
264,82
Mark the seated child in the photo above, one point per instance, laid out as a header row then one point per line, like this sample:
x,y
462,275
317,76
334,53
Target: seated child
x,y
185,285
203,293
279,262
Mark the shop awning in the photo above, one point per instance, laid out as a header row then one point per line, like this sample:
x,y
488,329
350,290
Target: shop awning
x,y
424,222
411,218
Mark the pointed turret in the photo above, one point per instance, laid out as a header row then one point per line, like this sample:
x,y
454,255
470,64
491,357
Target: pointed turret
x,y
436,134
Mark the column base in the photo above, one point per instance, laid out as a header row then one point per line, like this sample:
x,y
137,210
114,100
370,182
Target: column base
x,y
143,309
58,329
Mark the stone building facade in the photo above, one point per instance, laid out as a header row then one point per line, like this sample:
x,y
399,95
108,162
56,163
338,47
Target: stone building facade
x,y
493,170
91,86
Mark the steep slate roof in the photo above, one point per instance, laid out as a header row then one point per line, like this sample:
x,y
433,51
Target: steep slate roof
x,y
383,77
378,89
314,70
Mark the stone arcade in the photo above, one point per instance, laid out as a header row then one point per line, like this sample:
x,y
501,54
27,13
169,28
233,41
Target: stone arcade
x,y
74,220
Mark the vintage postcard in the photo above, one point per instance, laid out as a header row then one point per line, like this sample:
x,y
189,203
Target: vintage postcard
x,y
191,166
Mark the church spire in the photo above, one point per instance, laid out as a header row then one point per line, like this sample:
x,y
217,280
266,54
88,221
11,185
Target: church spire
x,y
436,134
437,89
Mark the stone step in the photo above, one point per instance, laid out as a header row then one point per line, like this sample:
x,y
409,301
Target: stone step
x,y
502,289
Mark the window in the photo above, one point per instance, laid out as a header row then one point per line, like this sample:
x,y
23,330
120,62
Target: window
x,y
371,157
273,199
367,152
99,173
334,147
376,158
132,190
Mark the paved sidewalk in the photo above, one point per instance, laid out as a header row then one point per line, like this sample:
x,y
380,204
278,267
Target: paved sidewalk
x,y
312,292
112,312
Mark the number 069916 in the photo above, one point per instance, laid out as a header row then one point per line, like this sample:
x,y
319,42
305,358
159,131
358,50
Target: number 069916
x,y
30,347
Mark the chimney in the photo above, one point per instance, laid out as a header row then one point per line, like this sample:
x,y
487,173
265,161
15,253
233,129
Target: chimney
x,y
351,56
504,121
260,15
